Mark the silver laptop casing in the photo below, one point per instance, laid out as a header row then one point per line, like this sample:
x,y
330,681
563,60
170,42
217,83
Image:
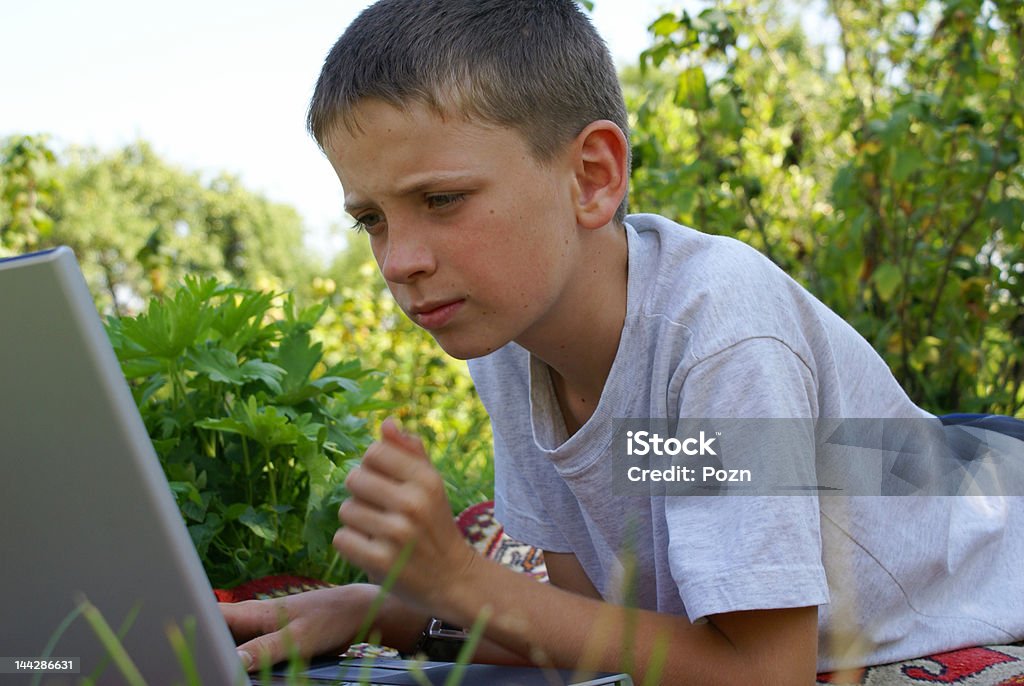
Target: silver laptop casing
x,y
86,510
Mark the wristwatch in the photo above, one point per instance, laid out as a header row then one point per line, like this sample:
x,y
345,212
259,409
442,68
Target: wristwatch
x,y
440,642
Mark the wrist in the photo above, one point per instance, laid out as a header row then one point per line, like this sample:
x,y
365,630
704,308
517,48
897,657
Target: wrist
x,y
440,642
457,596
392,622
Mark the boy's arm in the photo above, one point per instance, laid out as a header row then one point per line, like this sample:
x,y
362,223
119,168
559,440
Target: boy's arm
x,y
398,513
325,621
565,571
780,636
554,627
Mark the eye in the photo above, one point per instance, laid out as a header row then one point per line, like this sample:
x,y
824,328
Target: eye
x,y
438,201
369,222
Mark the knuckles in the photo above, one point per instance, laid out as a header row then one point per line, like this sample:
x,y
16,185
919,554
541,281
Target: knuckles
x,y
402,531
415,505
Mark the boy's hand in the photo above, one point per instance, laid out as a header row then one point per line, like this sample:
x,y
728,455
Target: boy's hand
x,y
398,514
308,624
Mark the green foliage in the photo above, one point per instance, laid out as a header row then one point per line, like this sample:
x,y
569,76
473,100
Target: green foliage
x,y
26,187
138,224
254,430
889,182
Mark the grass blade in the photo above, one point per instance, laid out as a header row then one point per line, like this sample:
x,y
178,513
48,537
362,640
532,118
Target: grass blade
x,y
476,632
111,642
385,588
183,648
52,643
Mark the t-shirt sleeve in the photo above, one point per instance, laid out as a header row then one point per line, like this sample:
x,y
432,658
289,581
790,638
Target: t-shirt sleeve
x,y
734,552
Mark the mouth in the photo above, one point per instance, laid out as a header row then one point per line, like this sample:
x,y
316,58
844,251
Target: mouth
x,y
435,315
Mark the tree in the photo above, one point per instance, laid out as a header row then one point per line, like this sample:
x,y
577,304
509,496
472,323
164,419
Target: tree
x,y
138,224
890,184
27,185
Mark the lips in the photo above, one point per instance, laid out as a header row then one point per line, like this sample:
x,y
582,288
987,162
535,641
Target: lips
x,y
436,315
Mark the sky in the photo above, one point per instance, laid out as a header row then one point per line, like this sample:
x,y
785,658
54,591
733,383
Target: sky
x,y
214,85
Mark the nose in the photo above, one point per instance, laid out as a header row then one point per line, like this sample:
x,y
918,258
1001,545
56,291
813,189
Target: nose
x,y
407,255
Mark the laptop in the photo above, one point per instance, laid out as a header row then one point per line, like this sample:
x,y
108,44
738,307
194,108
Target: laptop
x,y
88,519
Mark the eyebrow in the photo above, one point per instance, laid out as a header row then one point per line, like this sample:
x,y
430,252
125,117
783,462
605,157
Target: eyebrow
x,y
416,185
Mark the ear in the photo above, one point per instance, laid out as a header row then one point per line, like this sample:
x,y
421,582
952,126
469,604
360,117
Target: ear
x,y
601,173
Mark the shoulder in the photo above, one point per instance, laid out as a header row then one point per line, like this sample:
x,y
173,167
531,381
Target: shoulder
x,y
719,290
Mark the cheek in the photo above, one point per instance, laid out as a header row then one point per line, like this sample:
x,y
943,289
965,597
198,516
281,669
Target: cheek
x,y
379,249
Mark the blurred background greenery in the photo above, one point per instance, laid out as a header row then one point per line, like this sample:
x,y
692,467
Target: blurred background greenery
x,y
883,171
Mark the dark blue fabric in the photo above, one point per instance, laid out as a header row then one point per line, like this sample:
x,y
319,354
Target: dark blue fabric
x,y
1009,426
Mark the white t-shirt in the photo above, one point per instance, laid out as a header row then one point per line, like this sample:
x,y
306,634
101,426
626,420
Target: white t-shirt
x,y
714,329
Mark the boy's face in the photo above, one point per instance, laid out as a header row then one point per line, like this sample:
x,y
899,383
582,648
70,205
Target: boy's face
x,y
477,241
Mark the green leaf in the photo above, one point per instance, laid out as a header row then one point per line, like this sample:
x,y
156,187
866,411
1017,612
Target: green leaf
x,y
265,425
195,508
233,512
664,25
325,385
692,89
656,54
259,370
1007,213
729,114
184,490
169,326
260,523
239,317
297,357
907,161
887,279
203,534
221,366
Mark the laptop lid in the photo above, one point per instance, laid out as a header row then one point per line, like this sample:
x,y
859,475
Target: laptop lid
x,y
86,509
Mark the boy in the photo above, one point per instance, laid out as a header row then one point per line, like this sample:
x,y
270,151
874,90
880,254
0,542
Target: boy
x,y
482,146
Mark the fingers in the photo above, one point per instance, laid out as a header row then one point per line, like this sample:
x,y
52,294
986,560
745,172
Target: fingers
x,y
397,514
413,498
268,649
396,460
375,522
391,433
373,555
403,459
372,487
258,623
251,618
371,538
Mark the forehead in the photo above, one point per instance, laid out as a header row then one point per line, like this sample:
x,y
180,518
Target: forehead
x,y
385,147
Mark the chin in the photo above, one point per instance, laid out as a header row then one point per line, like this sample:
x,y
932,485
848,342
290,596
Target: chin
x,y
462,349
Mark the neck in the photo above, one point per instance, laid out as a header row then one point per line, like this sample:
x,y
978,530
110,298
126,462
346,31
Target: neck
x,y
581,336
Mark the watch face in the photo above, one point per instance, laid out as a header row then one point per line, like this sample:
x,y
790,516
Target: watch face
x,y
439,629
440,642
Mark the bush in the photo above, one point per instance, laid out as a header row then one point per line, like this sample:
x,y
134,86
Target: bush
x,y
254,431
